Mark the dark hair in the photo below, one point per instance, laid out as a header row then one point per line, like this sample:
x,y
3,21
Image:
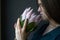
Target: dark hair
x,y
53,9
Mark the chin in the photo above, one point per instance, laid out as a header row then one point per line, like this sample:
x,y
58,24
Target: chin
x,y
44,18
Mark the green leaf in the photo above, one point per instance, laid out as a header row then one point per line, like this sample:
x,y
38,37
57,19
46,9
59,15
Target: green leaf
x,y
21,22
30,26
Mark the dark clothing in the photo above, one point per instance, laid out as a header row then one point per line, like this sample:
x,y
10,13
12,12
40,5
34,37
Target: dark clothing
x,y
37,33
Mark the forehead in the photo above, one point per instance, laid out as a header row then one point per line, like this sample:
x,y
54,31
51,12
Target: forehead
x,y
39,1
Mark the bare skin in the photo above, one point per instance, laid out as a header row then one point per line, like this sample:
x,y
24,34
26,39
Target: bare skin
x,y
20,32
45,16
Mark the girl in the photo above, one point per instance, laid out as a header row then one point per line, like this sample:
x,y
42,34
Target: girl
x,y
49,10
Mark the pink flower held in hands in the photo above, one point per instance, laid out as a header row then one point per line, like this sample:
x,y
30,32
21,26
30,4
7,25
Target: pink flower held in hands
x,y
28,15
25,12
32,19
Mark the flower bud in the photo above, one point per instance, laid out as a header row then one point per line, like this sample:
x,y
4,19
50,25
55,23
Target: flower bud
x,y
32,19
25,12
28,15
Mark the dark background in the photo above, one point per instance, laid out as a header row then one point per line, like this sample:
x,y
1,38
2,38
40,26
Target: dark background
x,y
11,10
0,19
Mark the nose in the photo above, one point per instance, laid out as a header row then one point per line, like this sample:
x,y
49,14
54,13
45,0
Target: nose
x,y
39,9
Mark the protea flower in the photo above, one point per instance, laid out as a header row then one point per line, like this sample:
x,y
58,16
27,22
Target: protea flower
x,y
32,19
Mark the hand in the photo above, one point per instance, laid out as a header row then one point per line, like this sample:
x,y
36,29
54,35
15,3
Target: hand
x,y
20,32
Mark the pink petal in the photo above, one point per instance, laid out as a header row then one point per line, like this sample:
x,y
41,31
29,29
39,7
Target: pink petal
x,y
29,14
25,12
32,19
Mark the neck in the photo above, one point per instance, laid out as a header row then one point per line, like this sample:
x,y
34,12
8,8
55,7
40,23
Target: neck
x,y
53,23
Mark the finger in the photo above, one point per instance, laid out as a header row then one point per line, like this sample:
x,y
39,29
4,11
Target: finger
x,y
25,24
18,24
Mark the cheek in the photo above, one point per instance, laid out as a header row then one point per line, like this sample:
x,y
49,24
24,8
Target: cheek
x,y
43,13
